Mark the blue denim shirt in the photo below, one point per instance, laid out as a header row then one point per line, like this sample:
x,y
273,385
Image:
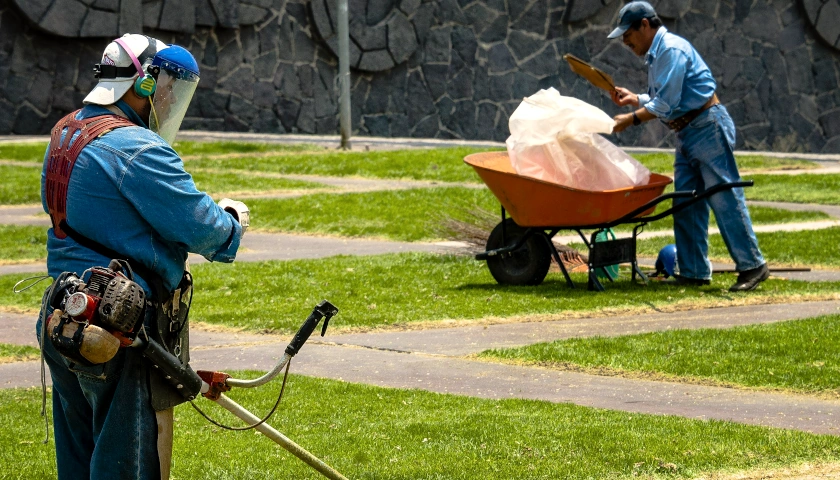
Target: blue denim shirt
x,y
678,79
129,192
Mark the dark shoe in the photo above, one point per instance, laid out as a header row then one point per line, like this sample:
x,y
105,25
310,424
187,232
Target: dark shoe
x,y
749,279
686,281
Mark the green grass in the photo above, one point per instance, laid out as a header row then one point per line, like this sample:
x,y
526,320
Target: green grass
x,y
23,243
34,152
815,248
797,355
664,163
20,185
26,152
405,215
185,148
445,164
17,353
401,289
233,183
759,215
417,214
368,432
803,188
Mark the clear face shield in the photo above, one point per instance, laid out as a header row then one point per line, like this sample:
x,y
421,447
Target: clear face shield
x,y
175,89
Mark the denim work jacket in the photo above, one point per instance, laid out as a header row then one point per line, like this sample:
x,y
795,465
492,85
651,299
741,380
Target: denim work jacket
x,y
129,192
679,81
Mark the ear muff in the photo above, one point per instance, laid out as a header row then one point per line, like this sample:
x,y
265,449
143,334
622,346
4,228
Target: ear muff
x,y
145,86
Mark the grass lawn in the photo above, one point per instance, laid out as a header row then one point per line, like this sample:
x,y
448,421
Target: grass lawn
x,y
20,185
799,355
815,249
17,353
396,290
803,188
34,151
187,148
443,164
368,432
664,163
22,243
415,215
222,183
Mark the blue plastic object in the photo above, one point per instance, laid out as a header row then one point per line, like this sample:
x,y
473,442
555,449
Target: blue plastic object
x,y
666,261
178,61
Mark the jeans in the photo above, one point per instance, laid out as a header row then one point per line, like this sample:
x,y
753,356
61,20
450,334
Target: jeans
x,y
704,159
105,427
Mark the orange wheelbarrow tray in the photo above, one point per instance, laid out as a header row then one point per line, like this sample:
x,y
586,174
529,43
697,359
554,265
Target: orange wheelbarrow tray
x,y
519,249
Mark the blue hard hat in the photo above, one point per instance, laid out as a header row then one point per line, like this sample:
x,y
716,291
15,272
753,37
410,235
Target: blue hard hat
x,y
629,14
666,262
177,61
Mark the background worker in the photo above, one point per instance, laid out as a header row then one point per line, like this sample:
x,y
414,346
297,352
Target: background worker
x,y
128,194
681,93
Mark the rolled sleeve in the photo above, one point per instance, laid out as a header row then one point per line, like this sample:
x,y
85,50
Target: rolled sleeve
x,y
667,80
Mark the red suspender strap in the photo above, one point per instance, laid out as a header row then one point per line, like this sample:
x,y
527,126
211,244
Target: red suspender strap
x,y
63,155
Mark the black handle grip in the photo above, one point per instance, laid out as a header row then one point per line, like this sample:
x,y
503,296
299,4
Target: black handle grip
x,y
324,310
180,375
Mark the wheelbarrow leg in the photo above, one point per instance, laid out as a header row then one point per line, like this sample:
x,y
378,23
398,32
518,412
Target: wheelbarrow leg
x,y
556,257
636,270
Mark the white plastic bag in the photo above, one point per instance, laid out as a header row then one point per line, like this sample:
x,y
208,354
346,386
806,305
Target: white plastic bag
x,y
555,139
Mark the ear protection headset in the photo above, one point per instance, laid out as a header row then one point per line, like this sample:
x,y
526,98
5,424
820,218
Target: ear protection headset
x,y
145,84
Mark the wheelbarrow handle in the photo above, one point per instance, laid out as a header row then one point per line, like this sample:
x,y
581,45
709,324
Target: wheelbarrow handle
x,y
692,195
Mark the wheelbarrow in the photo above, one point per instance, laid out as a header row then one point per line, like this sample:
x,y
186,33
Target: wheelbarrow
x,y
520,248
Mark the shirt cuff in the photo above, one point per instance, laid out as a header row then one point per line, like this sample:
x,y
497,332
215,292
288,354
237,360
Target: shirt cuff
x,y
227,253
643,99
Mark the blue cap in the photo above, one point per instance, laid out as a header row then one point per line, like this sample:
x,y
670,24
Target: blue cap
x,y
178,61
631,13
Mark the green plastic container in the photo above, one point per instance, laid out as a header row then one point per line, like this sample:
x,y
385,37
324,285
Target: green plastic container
x,y
604,236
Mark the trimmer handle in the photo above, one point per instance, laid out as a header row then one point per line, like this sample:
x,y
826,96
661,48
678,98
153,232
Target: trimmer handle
x,y
325,310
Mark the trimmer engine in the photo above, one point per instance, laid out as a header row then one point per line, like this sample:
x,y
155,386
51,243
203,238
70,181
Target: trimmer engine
x,y
92,320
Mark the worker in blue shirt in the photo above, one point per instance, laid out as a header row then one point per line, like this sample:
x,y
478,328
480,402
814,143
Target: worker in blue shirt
x,y
681,94
126,193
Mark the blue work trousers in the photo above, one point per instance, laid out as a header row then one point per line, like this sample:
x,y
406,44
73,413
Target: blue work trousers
x,y
105,427
704,158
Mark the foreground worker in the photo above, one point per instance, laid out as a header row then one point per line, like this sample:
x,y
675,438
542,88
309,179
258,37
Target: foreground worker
x,y
126,195
681,93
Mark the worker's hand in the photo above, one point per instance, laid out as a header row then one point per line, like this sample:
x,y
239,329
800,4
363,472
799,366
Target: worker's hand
x,y
622,121
623,97
238,210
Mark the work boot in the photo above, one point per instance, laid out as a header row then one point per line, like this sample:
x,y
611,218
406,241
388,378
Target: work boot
x,y
686,281
749,279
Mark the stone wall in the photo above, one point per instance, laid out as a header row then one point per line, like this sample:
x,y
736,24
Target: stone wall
x,y
428,68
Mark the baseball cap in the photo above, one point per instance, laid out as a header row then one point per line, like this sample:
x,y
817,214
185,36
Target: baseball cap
x,y
117,69
630,13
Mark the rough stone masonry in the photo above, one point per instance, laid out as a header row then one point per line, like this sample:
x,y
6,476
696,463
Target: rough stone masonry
x,y
428,68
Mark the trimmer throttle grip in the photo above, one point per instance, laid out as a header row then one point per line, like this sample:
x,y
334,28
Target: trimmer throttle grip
x,y
325,310
180,375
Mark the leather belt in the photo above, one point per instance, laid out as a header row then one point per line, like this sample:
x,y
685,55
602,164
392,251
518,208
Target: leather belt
x,y
680,123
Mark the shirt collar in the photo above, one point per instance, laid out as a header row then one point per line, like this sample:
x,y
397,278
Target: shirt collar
x,y
650,56
93,110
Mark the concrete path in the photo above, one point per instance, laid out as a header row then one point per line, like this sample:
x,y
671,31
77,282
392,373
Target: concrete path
x,y
432,360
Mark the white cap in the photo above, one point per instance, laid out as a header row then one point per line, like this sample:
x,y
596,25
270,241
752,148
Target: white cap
x,y
109,90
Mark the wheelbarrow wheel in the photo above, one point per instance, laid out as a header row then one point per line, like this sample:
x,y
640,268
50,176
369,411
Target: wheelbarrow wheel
x,y
526,266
